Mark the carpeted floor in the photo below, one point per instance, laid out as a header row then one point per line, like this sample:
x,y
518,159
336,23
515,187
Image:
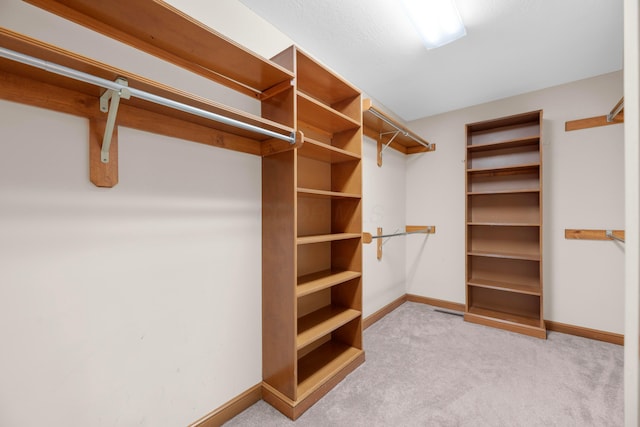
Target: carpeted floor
x,y
426,368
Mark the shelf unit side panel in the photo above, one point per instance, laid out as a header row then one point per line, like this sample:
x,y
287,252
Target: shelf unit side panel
x,y
279,278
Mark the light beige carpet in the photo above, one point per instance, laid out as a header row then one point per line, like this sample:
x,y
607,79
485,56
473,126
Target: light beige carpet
x,y
426,368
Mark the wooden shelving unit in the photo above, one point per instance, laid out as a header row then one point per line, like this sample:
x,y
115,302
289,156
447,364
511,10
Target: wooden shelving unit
x,y
504,224
312,256
159,29
387,130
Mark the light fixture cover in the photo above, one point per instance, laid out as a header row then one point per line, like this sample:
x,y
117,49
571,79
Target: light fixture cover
x,y
437,21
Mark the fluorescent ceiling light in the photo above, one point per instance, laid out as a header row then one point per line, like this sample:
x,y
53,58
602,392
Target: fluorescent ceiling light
x,y
437,21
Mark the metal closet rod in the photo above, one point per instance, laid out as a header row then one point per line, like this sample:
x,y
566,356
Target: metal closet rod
x,y
404,132
107,84
426,230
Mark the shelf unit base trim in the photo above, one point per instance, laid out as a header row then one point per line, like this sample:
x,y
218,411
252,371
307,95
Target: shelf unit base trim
x,y
533,331
294,408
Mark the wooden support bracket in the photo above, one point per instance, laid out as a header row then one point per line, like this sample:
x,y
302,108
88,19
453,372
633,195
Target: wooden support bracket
x,y
594,234
615,117
102,174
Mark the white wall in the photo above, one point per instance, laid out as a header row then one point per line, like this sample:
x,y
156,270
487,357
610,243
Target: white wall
x,y
583,188
141,304
384,205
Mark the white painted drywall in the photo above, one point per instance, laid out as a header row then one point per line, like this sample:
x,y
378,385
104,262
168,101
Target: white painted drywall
x,y
137,305
632,220
583,188
384,205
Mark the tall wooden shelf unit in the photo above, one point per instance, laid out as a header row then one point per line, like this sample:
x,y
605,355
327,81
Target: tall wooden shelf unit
x,y
312,228
504,224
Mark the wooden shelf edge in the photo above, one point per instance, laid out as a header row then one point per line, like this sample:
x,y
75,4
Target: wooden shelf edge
x,y
504,286
310,192
315,282
343,356
306,240
509,143
533,331
175,37
319,323
523,257
524,166
515,191
337,155
309,393
504,224
349,123
407,138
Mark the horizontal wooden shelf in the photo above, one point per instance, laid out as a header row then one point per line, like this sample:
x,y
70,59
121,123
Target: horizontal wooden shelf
x,y
161,30
315,282
324,194
515,318
530,289
320,83
507,255
317,150
505,224
322,364
512,143
405,141
505,169
32,86
514,191
306,240
320,116
321,322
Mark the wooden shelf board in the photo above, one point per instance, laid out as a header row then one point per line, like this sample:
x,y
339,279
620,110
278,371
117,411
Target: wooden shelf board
x,y
321,83
321,322
504,224
529,289
375,126
315,282
161,30
515,191
512,143
306,240
324,194
326,153
505,169
513,120
322,364
519,319
319,115
508,255
133,106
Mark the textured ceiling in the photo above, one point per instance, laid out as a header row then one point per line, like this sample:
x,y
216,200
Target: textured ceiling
x,y
511,47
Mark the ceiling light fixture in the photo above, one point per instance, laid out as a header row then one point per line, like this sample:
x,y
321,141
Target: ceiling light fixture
x,y
437,21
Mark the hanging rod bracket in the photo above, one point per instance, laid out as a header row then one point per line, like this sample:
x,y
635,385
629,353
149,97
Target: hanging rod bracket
x,y
114,96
